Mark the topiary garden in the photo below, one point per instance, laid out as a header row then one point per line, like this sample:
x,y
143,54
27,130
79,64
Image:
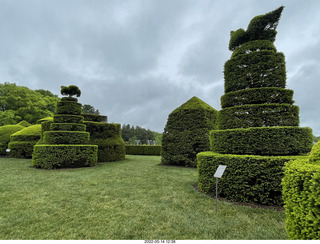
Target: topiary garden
x,y
258,124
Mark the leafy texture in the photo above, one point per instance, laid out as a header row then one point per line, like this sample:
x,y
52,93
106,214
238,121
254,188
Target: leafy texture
x,y
187,132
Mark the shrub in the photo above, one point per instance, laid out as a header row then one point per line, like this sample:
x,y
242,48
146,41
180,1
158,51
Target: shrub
x,y
67,126
64,156
143,150
22,142
262,141
259,115
69,107
248,178
95,118
5,132
24,123
62,118
66,137
187,132
265,95
70,91
301,195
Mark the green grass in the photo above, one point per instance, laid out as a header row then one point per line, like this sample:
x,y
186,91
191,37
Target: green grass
x,y
131,199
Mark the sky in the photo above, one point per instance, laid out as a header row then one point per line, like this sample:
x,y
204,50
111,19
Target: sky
x,y
137,60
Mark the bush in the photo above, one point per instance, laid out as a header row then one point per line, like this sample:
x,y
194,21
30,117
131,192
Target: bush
x,y
5,132
66,137
67,127
95,118
265,95
63,118
22,142
262,141
64,156
69,107
248,178
301,195
108,139
24,123
259,115
187,132
143,150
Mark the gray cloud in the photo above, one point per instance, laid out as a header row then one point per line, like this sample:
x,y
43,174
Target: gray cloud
x,y
138,60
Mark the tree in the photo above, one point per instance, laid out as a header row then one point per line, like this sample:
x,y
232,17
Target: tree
x,y
70,91
88,109
21,103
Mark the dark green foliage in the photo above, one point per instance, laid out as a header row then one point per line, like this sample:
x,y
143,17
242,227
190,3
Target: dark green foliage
x,y
262,27
187,132
134,134
5,132
262,141
259,115
264,68
95,118
143,150
68,126
70,91
66,137
108,139
64,156
89,109
63,118
301,195
69,107
248,178
265,95
22,142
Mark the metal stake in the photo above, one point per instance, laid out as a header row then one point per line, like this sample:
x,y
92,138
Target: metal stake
x,y
216,195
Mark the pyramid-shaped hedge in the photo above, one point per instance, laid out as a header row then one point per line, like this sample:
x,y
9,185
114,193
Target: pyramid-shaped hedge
x,y
65,143
187,132
257,118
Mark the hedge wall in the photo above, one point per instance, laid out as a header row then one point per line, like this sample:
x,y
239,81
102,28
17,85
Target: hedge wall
x,y
259,115
66,137
143,150
301,195
63,118
248,178
95,118
262,141
5,132
187,132
69,107
265,95
64,156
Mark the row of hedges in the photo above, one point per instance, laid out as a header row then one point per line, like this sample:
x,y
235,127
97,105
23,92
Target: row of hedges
x,y
143,150
259,115
248,178
262,141
5,132
257,96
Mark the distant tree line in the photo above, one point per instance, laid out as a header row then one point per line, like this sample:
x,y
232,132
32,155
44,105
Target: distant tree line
x,y
138,135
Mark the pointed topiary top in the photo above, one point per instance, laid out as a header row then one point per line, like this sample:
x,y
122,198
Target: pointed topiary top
x,y
194,103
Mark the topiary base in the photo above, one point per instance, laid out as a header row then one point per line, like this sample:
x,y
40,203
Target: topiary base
x,y
64,156
110,150
248,178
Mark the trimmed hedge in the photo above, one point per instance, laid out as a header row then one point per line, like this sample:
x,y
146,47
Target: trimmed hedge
x,y
22,142
143,150
248,178
262,141
68,126
254,70
301,195
64,156
265,95
66,137
108,139
187,132
5,132
259,115
24,123
95,118
69,107
63,118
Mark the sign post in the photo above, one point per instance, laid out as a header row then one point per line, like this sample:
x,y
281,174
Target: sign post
x,y
217,175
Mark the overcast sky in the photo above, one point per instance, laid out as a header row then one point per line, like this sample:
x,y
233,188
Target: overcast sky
x,y
138,60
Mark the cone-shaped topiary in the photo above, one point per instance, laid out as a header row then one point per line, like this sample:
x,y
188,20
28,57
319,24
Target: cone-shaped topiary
x,y
257,118
187,132
65,144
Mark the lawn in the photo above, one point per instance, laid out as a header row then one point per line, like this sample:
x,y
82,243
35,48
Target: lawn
x,y
133,199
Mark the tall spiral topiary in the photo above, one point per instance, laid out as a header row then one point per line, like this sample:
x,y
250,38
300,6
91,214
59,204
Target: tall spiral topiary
x,y
257,118
65,143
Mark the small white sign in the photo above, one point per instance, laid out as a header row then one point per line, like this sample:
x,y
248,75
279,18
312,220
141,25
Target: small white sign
x,y
220,171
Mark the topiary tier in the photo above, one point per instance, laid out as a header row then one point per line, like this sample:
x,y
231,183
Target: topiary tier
x,y
257,118
65,144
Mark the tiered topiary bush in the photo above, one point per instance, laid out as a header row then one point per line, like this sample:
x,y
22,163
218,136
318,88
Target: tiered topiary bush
x,y
257,118
65,145
301,195
187,132
22,142
5,132
107,137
